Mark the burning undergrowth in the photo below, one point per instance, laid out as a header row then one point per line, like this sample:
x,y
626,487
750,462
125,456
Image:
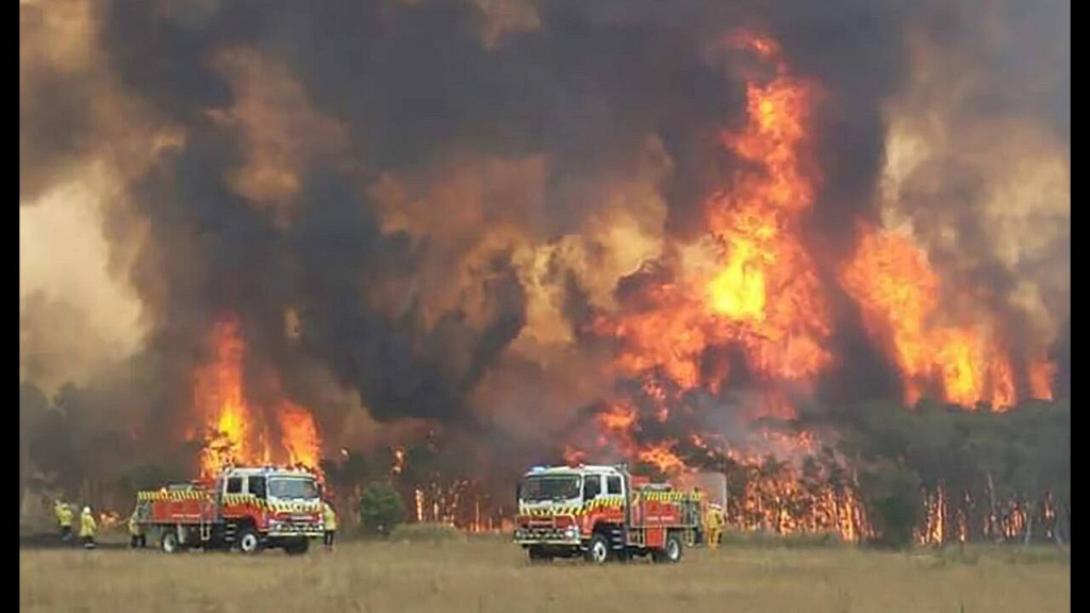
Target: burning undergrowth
x,y
487,234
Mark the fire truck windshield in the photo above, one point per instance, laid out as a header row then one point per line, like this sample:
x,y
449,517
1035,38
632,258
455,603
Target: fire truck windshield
x,y
292,487
549,487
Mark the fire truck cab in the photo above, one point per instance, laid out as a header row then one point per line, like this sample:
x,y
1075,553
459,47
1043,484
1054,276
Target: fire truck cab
x,y
245,508
603,513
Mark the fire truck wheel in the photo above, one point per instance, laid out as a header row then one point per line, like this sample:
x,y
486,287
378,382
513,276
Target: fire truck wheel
x,y
671,551
297,548
249,542
169,541
538,556
598,549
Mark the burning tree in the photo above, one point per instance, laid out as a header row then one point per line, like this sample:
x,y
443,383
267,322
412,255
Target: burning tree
x,y
240,430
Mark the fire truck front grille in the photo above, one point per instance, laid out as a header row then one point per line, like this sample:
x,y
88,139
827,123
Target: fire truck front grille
x,y
546,534
291,528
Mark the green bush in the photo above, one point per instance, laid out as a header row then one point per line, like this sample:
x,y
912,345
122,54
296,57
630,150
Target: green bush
x,y
891,493
381,509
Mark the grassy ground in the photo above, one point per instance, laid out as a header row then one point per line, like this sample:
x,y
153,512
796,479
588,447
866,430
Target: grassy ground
x,y
493,575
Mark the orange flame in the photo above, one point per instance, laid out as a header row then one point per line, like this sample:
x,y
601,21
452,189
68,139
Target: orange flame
x,y
574,456
764,294
299,435
760,293
239,434
1041,374
218,394
108,519
946,519
898,292
662,457
779,500
618,418
398,463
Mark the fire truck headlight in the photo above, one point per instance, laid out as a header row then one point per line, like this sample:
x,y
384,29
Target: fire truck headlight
x,y
571,532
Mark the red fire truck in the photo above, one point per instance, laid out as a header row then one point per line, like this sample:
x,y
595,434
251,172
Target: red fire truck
x,y
248,509
603,513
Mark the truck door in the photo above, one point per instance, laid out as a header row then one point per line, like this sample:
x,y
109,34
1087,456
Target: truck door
x,y
592,487
228,508
615,488
232,485
255,486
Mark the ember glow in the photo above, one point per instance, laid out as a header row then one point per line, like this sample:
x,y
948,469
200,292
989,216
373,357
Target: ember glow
x,y
398,464
782,501
949,517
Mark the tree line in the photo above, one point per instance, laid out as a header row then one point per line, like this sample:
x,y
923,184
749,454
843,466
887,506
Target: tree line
x,y
993,476
930,474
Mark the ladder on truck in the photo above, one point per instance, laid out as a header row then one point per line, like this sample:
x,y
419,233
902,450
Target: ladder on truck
x,y
207,518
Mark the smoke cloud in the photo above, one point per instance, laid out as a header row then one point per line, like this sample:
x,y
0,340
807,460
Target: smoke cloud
x,y
418,208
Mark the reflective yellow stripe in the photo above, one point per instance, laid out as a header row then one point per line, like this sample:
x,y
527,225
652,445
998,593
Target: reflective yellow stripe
x,y
232,499
611,502
670,496
295,507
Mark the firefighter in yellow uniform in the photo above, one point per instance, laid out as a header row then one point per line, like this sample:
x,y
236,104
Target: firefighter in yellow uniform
x,y
87,527
329,522
136,533
64,519
714,522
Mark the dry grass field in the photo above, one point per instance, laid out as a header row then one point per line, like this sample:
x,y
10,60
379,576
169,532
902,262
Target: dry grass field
x,y
493,575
